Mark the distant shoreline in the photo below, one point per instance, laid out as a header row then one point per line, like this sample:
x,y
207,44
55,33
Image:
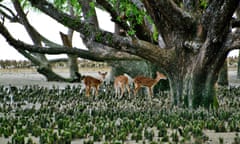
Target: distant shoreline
x,y
23,77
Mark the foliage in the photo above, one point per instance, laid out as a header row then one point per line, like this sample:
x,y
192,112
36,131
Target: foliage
x,y
203,4
62,115
63,5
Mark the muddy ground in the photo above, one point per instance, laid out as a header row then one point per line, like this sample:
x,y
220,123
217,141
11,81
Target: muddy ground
x,y
21,77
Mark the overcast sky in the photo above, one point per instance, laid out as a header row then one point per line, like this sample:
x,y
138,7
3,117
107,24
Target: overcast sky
x,y
50,29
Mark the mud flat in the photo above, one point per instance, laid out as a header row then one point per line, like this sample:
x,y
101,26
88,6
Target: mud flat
x,y
22,77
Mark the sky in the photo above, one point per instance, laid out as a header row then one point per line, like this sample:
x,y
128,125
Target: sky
x,y
50,29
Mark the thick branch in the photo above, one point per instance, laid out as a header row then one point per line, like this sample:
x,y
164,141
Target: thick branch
x,y
178,18
113,14
140,48
217,17
143,30
233,41
15,18
34,36
19,45
138,4
31,31
235,23
146,26
89,13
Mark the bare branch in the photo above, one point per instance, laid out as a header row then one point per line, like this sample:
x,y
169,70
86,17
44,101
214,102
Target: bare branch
x,y
12,17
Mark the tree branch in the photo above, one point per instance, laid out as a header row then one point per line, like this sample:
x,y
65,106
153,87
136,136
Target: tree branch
x,y
138,4
31,31
15,18
125,44
178,18
235,23
89,12
113,14
12,17
143,30
215,23
233,41
19,45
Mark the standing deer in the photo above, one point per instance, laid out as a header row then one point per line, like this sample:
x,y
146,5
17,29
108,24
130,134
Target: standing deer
x,y
141,81
91,82
120,83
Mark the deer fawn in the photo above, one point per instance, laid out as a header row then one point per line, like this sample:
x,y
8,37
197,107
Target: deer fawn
x,y
90,82
141,81
120,83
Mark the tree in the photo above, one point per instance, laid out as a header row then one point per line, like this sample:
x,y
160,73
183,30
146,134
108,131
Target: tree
x,y
223,75
188,40
237,30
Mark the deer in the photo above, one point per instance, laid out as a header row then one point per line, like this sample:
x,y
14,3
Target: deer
x,y
92,82
120,83
142,81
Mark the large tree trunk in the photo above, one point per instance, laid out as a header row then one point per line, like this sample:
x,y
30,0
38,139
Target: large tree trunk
x,y
193,89
223,75
238,66
203,89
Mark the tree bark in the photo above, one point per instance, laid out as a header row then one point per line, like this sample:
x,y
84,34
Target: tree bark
x,y
72,60
238,67
50,75
223,75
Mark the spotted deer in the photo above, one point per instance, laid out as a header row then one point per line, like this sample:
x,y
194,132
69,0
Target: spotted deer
x,y
121,83
91,82
142,81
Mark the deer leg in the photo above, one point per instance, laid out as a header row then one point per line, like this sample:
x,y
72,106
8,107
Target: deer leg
x,y
150,92
128,89
88,91
122,90
136,90
96,88
116,91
